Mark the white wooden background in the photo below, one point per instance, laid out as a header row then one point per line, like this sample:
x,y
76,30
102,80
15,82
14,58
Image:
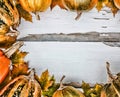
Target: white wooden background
x,y
77,60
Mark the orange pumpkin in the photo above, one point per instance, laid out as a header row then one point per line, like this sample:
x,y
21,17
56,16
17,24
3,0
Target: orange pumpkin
x,y
5,61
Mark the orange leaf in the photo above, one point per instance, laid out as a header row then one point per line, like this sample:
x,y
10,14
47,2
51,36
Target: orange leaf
x,y
57,2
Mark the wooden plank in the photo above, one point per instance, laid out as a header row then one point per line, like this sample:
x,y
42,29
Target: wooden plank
x,y
77,60
62,21
74,37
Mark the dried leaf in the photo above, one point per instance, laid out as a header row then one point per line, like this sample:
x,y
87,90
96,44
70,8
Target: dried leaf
x,y
18,57
101,4
57,2
19,69
46,80
23,13
91,91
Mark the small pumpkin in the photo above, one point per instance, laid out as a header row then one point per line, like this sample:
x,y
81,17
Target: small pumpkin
x,y
5,60
9,16
35,6
79,5
67,91
117,3
22,86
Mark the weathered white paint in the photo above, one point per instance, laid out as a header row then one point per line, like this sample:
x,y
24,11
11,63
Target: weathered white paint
x,y
62,21
77,60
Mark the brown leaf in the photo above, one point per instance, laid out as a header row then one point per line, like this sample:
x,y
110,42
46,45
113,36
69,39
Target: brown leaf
x,y
57,2
19,69
23,13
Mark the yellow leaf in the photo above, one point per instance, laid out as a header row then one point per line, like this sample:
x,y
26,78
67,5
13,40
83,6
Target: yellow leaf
x,y
46,80
18,57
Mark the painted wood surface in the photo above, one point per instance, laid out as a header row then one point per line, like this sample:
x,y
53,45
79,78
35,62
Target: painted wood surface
x,y
77,60
62,21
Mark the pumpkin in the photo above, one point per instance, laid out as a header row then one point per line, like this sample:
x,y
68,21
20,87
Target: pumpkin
x,y
79,5
5,61
35,6
117,3
22,86
9,16
67,91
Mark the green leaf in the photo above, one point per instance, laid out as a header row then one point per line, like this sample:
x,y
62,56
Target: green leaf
x,y
51,90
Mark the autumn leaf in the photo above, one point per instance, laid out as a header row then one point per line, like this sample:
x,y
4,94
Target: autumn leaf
x,y
57,2
19,69
18,57
94,91
46,80
23,13
101,4
51,90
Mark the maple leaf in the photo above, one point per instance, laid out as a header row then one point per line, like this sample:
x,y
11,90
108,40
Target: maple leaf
x,y
94,91
57,2
19,69
18,57
51,90
23,13
46,80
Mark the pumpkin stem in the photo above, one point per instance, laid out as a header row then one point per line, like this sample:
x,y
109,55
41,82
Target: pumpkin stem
x,y
32,74
111,77
79,13
61,84
37,15
13,48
